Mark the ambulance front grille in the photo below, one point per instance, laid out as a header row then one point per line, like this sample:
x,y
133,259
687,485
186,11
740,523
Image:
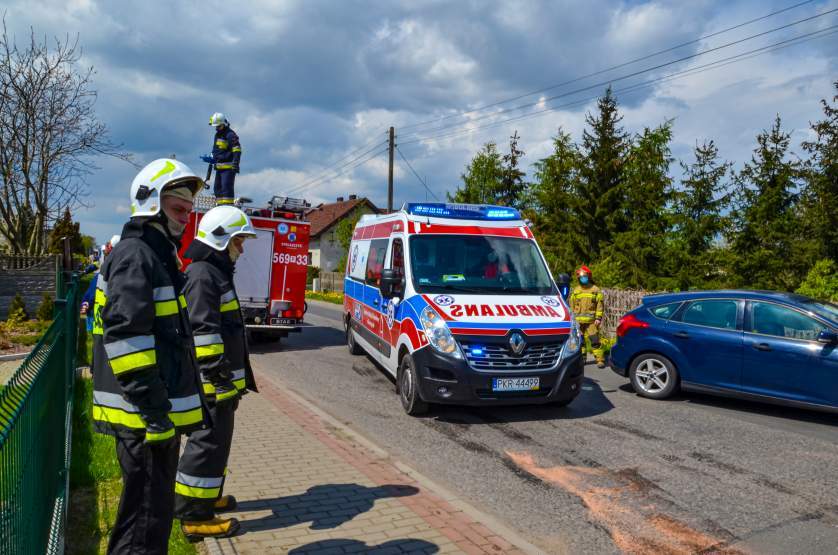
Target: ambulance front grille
x,y
500,358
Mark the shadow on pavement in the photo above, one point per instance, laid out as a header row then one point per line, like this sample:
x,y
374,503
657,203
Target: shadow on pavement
x,y
325,506
309,339
406,545
590,402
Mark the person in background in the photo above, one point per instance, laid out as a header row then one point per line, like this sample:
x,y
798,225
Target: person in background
x,y
587,304
226,155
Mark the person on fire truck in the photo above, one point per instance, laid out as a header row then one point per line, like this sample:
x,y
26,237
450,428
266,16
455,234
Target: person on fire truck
x,y
221,351
587,304
226,156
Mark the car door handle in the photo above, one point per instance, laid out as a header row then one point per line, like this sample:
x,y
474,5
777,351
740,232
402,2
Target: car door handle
x,y
681,334
761,346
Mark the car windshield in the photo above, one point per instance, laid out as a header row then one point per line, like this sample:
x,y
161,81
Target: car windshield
x,y
825,310
478,264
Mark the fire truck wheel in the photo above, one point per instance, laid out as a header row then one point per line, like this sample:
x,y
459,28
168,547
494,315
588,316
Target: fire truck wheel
x,y
408,382
354,348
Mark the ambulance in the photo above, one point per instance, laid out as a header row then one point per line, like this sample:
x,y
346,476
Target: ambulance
x,y
270,277
457,303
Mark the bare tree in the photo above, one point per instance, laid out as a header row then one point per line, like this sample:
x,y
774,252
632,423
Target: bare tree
x,y
49,136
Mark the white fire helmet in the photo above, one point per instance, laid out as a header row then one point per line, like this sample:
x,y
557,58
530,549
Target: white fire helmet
x,y
221,224
218,119
164,173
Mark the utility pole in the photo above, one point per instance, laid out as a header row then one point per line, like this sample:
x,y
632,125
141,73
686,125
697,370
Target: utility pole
x,y
392,147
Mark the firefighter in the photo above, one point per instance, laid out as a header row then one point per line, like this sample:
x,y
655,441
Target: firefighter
x,y
587,304
145,377
221,350
226,154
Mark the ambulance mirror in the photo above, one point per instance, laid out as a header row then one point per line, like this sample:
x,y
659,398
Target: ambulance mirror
x,y
563,279
390,282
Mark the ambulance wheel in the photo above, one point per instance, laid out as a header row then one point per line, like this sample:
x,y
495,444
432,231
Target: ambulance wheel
x,y
354,348
408,381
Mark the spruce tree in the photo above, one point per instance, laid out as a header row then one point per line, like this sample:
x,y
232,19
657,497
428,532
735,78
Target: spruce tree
x,y
820,211
512,186
699,217
766,245
65,227
482,178
604,147
553,202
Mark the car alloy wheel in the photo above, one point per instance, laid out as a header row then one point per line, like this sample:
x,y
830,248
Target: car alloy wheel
x,y
652,376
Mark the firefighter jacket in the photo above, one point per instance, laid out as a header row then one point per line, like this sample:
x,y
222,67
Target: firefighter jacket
x,y
145,377
220,340
587,303
226,149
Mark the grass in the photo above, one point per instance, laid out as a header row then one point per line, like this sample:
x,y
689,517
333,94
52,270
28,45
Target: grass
x,y
333,297
95,485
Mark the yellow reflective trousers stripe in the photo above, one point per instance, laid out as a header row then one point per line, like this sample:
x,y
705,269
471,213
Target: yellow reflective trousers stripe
x,y
201,493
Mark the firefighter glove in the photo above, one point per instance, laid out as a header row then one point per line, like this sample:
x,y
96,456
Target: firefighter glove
x,y
207,158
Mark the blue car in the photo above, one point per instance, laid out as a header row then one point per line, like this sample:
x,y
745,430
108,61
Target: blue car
x,y
764,346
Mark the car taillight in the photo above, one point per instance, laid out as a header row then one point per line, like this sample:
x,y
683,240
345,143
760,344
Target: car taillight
x,y
299,314
628,322
288,313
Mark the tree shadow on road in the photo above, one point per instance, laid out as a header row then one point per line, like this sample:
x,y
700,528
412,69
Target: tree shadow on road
x,y
590,402
407,545
325,506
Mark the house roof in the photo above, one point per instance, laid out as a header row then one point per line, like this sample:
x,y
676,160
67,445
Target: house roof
x,y
324,216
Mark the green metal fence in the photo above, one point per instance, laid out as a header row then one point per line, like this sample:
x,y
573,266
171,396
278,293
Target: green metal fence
x,y
35,433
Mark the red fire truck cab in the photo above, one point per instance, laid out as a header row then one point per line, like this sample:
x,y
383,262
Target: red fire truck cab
x,y
270,276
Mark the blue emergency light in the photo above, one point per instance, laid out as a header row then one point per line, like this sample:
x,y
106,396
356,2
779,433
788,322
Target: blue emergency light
x,y
463,211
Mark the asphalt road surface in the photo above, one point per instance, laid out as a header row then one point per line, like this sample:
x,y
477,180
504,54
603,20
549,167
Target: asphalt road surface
x,y
611,473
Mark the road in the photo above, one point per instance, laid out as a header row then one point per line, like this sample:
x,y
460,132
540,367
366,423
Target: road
x,y
611,473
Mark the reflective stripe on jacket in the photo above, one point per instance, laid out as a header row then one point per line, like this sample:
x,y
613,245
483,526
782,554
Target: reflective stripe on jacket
x,y
144,368
215,315
226,149
587,303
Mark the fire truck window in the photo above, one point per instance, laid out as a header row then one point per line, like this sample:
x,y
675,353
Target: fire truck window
x,y
397,263
375,261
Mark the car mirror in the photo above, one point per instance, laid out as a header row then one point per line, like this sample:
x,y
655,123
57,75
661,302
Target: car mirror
x,y
563,279
390,282
828,337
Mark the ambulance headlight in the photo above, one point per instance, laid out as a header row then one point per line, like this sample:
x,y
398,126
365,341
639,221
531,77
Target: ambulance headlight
x,y
438,334
574,340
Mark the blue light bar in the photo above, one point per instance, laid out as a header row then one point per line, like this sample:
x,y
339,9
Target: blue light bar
x,y
463,211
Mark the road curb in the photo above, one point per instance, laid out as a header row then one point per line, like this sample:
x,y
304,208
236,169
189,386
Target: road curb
x,y
491,522
14,356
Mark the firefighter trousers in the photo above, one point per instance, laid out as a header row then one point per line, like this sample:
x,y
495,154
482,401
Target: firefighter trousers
x,y
591,331
225,181
203,465
146,508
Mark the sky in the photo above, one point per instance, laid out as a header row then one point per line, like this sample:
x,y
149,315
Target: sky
x,y
309,85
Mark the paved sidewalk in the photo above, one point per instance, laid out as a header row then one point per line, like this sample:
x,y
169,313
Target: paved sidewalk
x,y
305,484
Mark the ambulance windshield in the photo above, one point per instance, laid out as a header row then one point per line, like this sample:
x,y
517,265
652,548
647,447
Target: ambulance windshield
x,y
478,264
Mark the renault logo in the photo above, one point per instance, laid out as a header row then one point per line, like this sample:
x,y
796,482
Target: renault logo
x,y
517,343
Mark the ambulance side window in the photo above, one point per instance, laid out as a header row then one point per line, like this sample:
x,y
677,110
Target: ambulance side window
x,y
397,263
375,261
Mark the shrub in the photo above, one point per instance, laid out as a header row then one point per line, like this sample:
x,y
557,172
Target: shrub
x,y
821,282
46,308
17,309
311,273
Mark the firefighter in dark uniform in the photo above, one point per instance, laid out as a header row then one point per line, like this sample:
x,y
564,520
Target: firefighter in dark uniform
x,y
145,377
221,350
226,155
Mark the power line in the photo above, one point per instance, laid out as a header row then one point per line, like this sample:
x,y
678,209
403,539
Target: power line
x,y
680,74
612,68
422,181
336,166
335,175
630,75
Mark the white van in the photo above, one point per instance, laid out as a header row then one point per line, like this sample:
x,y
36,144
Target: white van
x,y
457,302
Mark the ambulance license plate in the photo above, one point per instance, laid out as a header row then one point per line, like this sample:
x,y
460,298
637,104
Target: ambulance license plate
x,y
282,322
515,384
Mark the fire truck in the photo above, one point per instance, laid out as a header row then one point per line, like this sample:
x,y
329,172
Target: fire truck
x,y
270,276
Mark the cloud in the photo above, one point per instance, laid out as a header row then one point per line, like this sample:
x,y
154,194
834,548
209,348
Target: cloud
x,y
313,84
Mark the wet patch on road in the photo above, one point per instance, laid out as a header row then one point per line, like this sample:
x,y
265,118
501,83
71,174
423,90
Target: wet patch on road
x,y
628,506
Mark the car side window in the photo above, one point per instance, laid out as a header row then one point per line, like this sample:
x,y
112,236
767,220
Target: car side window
x,y
780,321
375,261
716,313
665,311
